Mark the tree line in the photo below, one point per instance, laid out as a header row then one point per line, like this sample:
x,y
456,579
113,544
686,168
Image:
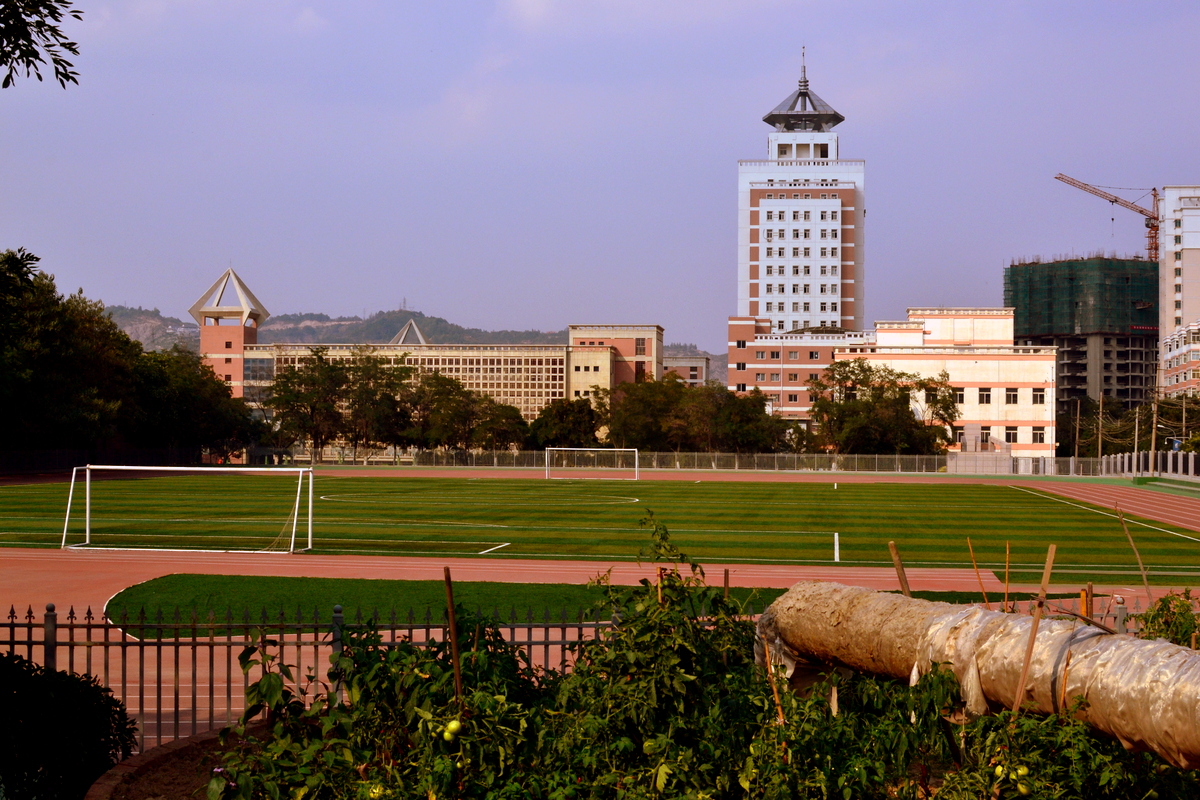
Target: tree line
x,y
71,379
366,404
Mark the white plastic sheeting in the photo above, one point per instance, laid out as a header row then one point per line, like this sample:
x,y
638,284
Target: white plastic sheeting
x,y
1146,694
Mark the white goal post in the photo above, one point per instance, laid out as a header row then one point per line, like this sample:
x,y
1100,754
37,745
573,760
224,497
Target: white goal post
x,y
607,458
300,472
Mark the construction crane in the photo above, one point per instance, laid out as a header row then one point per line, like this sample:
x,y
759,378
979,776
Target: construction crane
x,y
1151,214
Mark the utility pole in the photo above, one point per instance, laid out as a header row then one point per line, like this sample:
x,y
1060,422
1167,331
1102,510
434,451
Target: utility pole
x,y
1154,436
1100,427
1137,418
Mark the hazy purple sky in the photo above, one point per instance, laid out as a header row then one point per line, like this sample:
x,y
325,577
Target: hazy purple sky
x,y
532,163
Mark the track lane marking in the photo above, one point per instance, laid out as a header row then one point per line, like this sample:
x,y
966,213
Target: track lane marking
x,y
1104,513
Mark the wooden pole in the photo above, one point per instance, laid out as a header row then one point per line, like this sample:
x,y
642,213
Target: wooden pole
x,y
726,584
978,577
1007,562
1138,556
458,684
1091,601
1033,629
899,569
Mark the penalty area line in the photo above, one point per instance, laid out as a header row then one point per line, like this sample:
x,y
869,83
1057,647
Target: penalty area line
x,y
490,549
1103,513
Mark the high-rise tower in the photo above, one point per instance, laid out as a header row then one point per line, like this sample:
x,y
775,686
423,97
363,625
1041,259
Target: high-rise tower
x,y
800,222
228,315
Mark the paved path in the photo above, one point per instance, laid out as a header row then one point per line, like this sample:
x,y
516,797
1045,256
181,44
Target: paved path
x,y
83,578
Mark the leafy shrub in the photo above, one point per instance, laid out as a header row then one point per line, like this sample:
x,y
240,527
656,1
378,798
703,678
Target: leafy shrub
x,y
1171,617
666,703
59,732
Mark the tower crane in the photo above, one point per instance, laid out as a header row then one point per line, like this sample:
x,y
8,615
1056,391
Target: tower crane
x,y
1151,214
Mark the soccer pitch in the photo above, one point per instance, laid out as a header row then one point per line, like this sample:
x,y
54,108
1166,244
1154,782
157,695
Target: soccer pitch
x,y
714,522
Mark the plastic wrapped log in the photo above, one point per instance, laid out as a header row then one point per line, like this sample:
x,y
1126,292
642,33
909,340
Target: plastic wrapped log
x,y
1146,694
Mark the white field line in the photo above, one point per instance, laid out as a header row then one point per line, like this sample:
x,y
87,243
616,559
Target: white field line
x,y
1105,513
491,549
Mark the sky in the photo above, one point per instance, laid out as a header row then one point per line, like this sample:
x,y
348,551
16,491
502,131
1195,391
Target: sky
x,y
535,163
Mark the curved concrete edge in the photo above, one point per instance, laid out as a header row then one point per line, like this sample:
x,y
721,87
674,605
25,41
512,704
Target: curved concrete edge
x,y
142,763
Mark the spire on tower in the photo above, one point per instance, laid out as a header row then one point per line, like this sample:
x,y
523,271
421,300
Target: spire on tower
x,y
803,110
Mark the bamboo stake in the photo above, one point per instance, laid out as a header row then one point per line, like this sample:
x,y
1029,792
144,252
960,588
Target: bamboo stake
x,y
899,569
1037,618
1141,566
726,584
1091,601
1007,562
978,577
771,680
458,684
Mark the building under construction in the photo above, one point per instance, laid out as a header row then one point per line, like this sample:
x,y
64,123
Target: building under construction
x,y
1101,314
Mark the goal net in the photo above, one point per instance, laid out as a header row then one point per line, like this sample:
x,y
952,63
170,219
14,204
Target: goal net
x,y
215,509
592,462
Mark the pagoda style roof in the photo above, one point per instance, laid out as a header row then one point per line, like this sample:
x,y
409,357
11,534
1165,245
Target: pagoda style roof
x,y
409,334
213,303
802,110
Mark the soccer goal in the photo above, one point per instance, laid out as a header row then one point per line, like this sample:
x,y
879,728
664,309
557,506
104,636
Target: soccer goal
x,y
211,509
619,464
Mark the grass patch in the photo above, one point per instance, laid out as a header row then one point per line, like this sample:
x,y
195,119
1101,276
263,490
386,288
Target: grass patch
x,y
781,523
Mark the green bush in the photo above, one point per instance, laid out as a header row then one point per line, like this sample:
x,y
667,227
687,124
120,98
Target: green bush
x,y
59,732
666,703
1171,617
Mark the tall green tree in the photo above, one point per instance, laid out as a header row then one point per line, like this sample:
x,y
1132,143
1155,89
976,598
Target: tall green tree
x,y
180,403
860,407
307,399
31,32
499,426
375,417
566,423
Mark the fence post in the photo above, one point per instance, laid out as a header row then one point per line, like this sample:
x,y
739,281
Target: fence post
x,y
50,638
1122,612
335,641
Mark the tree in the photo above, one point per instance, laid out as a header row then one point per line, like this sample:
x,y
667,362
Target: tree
x,y
30,32
859,407
181,403
307,399
499,426
374,414
565,423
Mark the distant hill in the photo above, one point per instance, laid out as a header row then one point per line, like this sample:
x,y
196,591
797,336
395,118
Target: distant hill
x,y
718,363
379,328
152,329
155,331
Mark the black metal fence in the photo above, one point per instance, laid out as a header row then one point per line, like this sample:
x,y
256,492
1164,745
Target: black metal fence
x,y
179,674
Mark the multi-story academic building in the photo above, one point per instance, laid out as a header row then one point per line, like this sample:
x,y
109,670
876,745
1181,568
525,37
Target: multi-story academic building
x,y
526,376
1179,289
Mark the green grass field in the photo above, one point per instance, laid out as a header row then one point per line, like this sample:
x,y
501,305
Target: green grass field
x,y
785,523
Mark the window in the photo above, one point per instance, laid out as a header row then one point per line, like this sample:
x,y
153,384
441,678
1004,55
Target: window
x,y
774,376
793,398
930,396
780,322
639,347
770,234
823,285
796,252
1178,240
807,214
229,345
1178,256
795,216
795,288
760,354
781,288
833,306
813,355
807,269
958,434
985,397
740,366
1039,397
1178,288
833,215
793,376
774,354
760,376
1010,396
1178,304
577,368
807,233
1010,434
807,254
807,288
985,435
770,215
833,269
824,307
770,252
795,270
229,379
1178,223
740,344
793,355
796,233
769,305
960,396
833,252
807,307
824,270
1039,435
741,387
770,289
770,270
229,361
824,233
